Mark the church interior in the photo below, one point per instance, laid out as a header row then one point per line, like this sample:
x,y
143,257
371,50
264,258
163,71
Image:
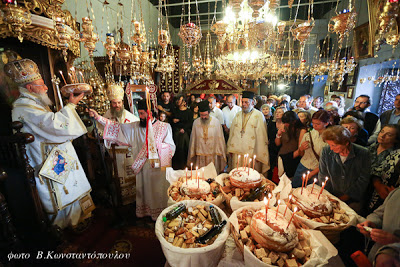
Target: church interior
x,y
199,133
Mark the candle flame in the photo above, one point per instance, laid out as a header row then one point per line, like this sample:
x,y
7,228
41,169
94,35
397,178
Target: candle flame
x,y
265,201
315,180
326,178
290,197
197,168
269,195
295,209
279,202
304,175
191,164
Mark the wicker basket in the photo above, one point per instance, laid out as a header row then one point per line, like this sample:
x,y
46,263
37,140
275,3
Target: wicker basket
x,y
228,198
332,233
238,243
216,201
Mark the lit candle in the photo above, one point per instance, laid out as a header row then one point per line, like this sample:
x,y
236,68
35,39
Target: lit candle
x,y
254,161
63,77
70,77
83,78
302,182
198,183
277,209
308,176
248,169
72,69
74,74
237,165
191,170
266,208
322,189
312,188
291,218
186,175
290,197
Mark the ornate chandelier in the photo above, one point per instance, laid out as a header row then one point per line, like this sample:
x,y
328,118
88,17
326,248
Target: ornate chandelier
x,y
244,38
16,17
343,23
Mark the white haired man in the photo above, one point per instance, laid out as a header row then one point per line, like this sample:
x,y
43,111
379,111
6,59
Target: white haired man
x,y
248,135
53,133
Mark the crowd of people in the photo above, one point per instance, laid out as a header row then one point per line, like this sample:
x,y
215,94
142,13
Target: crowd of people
x,y
358,151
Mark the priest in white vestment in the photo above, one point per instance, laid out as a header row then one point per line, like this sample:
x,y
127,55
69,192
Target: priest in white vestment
x,y
248,135
51,130
207,143
150,158
123,155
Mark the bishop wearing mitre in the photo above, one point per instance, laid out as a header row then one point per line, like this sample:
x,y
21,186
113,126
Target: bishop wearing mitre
x,y
207,143
152,148
61,182
248,135
123,155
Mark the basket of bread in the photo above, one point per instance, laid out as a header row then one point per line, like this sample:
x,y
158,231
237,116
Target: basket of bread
x,y
196,184
320,210
192,233
271,237
243,186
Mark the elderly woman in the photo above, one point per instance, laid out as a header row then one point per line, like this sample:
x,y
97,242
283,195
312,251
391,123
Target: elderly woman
x,y
266,111
359,135
346,165
310,148
384,160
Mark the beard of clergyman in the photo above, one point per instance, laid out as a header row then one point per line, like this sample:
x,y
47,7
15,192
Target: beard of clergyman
x,y
205,120
247,110
115,113
44,98
142,123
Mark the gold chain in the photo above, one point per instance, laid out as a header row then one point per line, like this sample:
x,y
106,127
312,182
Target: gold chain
x,y
245,121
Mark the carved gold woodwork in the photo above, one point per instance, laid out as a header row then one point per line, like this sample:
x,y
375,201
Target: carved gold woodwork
x,y
40,34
